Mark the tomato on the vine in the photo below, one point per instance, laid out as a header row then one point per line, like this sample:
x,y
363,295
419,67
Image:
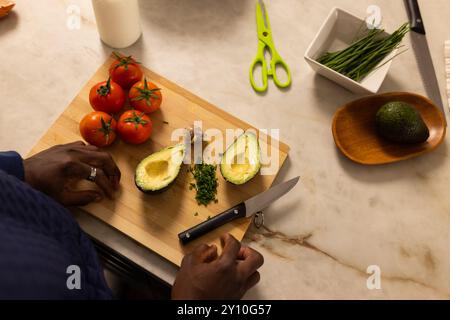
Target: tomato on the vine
x,y
145,96
125,71
107,97
134,127
98,128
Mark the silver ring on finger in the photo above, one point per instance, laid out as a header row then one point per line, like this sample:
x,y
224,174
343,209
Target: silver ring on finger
x,y
93,174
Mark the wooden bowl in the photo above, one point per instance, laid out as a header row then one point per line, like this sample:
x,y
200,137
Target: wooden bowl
x,y
5,7
355,134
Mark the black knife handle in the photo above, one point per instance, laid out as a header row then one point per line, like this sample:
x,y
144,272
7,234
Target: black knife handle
x,y
236,212
415,17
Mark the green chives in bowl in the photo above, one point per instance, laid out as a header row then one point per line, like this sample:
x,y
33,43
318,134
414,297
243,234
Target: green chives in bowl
x,y
362,56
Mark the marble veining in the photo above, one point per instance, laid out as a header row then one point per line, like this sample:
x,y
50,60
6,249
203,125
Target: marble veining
x,y
264,240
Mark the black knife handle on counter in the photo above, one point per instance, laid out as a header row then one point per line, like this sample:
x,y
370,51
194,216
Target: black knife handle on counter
x,y
415,17
236,212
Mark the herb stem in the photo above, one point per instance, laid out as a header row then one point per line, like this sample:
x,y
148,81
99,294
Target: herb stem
x,y
363,56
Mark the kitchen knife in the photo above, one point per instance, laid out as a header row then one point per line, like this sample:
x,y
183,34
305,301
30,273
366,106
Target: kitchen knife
x,y
242,210
423,54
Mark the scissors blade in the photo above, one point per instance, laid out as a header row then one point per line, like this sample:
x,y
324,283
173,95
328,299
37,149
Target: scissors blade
x,y
264,13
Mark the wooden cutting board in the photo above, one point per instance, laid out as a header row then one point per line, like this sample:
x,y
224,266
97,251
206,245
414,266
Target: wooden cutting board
x,y
155,220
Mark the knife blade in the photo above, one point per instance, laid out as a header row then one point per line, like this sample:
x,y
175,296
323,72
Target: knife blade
x,y
423,54
242,210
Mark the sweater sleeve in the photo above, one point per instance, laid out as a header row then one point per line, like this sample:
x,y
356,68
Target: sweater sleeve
x,y
11,162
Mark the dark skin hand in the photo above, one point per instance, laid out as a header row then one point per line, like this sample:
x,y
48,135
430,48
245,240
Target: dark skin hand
x,y
54,171
205,275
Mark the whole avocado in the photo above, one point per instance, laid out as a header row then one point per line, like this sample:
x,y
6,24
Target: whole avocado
x,y
401,123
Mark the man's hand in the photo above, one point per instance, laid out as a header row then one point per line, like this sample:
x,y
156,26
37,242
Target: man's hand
x,y
53,171
205,276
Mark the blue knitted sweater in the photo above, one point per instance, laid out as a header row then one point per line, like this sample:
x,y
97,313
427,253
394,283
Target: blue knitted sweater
x,y
43,252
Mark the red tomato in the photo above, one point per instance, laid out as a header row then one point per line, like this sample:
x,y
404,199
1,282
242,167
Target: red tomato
x,y
134,127
98,128
125,71
145,96
107,96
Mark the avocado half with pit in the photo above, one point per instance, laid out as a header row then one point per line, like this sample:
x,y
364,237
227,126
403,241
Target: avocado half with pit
x,y
241,162
158,171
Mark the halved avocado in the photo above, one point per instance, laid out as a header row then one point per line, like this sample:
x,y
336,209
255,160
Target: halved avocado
x,y
158,171
242,160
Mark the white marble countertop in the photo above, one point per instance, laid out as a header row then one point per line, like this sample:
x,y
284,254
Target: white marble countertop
x,y
342,218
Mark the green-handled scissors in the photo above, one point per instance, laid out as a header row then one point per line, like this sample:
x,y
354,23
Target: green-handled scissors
x,y
266,43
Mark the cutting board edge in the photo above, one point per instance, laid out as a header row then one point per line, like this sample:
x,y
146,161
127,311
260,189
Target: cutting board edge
x,y
174,257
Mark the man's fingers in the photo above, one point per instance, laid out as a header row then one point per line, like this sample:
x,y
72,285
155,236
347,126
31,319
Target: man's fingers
x,y
73,144
252,280
246,252
81,170
105,184
210,254
242,253
230,249
90,147
79,198
95,157
249,261
205,253
107,163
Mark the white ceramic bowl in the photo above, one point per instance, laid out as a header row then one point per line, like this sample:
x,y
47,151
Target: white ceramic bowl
x,y
338,32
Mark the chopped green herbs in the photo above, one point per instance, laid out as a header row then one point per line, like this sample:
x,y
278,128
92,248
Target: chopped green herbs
x,y
205,183
196,214
360,58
